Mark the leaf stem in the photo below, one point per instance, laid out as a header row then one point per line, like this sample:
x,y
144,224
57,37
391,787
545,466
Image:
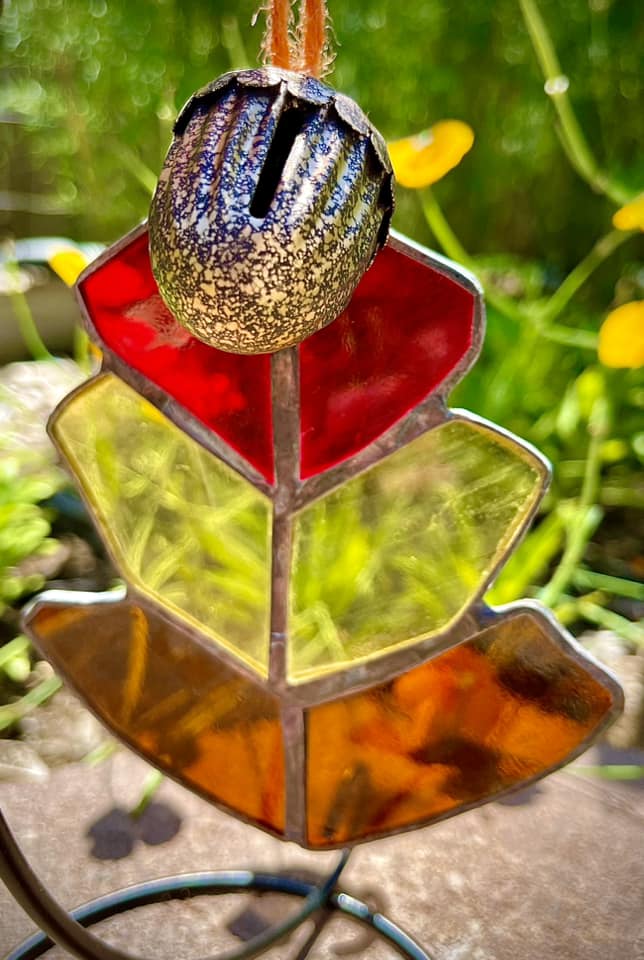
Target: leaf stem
x,y
452,246
136,167
609,620
81,349
576,146
588,514
567,336
26,322
14,648
540,315
611,771
442,230
233,43
101,753
152,783
601,581
10,713
600,251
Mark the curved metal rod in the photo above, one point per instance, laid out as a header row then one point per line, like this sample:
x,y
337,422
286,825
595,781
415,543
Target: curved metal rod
x,y
209,884
65,931
170,888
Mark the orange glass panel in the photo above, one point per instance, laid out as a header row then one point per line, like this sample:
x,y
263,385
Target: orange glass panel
x,y
474,722
173,701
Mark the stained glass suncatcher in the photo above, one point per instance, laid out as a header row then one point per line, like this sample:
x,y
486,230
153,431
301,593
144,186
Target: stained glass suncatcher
x,y
306,537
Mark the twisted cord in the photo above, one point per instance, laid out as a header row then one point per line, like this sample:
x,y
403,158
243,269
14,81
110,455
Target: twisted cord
x,y
277,42
308,50
312,42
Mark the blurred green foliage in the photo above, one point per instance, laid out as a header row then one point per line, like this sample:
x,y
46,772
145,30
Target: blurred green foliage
x,y
24,523
26,482
92,88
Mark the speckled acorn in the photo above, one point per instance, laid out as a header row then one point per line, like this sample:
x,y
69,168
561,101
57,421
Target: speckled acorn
x,y
275,196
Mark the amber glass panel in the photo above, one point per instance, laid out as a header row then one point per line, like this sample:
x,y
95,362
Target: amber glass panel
x,y
231,394
184,527
399,552
473,722
173,701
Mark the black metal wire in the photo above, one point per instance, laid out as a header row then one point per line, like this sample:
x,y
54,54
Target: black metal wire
x,y
69,930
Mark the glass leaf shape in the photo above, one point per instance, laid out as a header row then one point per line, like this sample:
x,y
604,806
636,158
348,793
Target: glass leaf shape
x,y
409,327
183,527
397,554
476,721
171,699
228,393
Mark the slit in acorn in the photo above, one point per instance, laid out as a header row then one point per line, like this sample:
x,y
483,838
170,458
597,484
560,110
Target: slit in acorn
x,y
290,123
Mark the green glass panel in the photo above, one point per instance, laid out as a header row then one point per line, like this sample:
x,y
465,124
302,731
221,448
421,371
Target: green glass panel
x,y
182,526
398,553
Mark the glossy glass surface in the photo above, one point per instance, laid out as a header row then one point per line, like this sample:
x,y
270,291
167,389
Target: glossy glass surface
x,y
396,554
182,526
173,701
473,722
406,329
229,393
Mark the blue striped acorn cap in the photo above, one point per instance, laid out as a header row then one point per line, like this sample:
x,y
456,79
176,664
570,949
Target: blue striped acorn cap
x,y
275,195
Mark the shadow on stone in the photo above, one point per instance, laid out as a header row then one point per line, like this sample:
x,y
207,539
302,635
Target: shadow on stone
x,y
115,834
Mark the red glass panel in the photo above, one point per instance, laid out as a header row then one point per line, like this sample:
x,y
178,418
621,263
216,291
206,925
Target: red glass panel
x,y
231,394
405,330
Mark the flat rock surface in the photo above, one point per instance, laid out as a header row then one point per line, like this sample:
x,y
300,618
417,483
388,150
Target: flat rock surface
x,y
558,873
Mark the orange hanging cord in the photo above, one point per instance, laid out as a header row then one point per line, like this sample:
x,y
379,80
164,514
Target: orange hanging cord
x,y
308,52
312,37
277,41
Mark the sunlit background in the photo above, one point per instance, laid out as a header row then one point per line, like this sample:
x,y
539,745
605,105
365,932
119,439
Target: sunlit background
x,y
90,89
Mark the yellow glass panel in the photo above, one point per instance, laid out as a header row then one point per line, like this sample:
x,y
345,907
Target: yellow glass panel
x,y
182,526
172,700
475,721
398,553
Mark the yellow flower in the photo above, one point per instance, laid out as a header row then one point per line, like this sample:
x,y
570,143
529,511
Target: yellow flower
x,y
428,156
621,338
630,217
68,264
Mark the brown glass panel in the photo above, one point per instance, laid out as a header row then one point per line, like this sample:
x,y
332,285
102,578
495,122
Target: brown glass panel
x,y
173,701
475,721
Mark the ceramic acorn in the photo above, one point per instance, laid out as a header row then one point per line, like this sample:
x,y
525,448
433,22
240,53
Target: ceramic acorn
x,y
273,200
305,530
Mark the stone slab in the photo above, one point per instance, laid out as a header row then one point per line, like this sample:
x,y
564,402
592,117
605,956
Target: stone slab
x,y
559,873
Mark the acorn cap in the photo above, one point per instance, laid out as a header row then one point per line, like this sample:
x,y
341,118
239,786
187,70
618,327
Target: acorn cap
x,y
274,198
